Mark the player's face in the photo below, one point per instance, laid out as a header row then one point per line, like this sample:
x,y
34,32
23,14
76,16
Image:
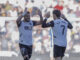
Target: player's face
x,y
27,17
54,16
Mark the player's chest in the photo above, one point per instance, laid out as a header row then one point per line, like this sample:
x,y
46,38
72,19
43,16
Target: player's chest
x,y
27,26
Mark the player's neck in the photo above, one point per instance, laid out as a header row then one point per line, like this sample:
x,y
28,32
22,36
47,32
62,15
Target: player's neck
x,y
57,18
26,20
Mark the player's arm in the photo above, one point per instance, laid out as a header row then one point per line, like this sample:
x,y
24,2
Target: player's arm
x,y
50,24
18,21
41,19
44,24
69,24
35,23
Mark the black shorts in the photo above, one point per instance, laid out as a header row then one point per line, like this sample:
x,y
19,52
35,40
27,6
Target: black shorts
x,y
59,51
26,50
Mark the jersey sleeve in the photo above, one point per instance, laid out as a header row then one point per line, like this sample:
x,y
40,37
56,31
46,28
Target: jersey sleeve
x,y
18,24
70,26
34,23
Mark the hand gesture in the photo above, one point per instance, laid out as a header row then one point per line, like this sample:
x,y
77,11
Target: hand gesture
x,y
24,13
47,15
62,16
39,12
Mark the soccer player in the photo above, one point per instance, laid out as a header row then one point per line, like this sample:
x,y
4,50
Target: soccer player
x,y
59,26
25,27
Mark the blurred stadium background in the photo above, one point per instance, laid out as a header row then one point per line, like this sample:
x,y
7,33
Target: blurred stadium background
x,y
42,45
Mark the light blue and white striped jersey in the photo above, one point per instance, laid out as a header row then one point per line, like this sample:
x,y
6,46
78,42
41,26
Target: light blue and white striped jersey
x,y
59,32
25,32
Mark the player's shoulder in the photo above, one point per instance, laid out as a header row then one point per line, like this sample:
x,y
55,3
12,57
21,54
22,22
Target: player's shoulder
x,y
57,21
60,21
21,22
32,22
63,21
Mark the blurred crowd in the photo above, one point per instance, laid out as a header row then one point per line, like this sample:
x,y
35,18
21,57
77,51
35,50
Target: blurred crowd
x,y
13,8
9,35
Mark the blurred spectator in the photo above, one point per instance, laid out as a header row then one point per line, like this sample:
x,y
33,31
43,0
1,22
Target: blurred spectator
x,y
77,12
0,9
20,10
13,12
8,6
4,45
77,1
59,5
3,12
71,14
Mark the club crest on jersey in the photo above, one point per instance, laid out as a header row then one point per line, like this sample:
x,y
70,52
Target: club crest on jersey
x,y
58,23
28,27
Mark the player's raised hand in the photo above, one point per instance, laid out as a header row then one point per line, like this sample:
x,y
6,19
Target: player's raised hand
x,y
39,12
62,16
47,15
24,13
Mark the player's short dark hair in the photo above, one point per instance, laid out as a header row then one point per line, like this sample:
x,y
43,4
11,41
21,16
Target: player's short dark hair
x,y
57,13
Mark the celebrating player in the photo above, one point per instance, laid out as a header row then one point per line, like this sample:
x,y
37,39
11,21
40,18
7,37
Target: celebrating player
x,y
59,27
25,31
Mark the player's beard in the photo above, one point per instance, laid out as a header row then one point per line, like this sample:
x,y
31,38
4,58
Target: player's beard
x,y
27,19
